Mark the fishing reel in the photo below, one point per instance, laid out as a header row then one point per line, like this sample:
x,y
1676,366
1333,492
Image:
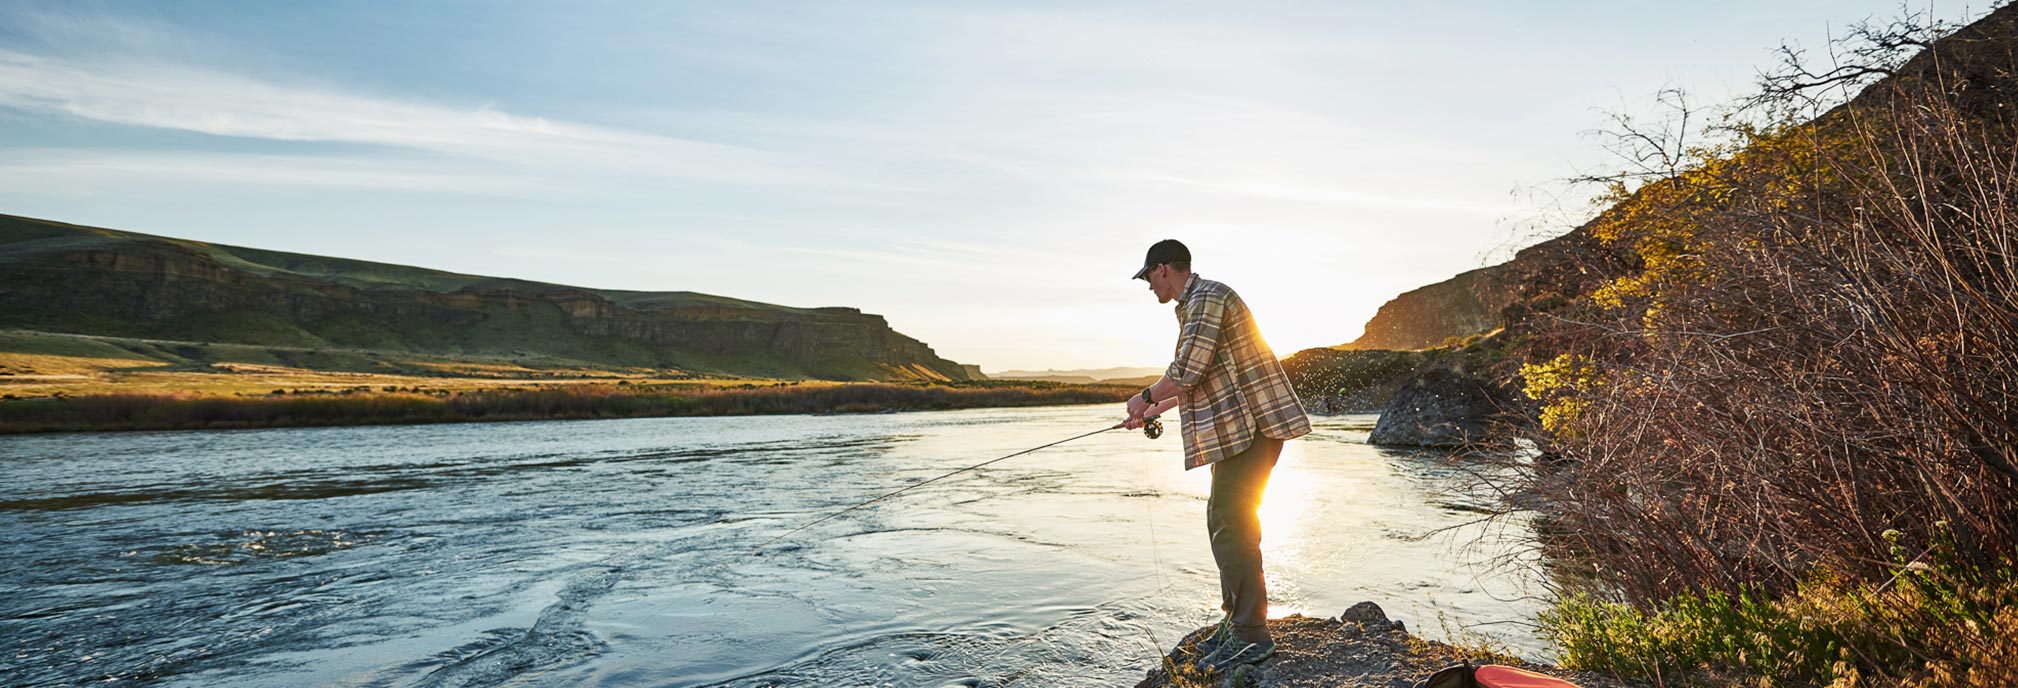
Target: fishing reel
x,y
1151,427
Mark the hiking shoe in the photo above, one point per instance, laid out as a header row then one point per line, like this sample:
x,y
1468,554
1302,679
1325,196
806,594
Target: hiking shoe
x,y
1211,643
1236,653
1224,643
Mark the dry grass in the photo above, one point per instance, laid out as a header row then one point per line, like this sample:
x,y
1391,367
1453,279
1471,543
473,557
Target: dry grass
x,y
401,405
63,382
40,364
230,379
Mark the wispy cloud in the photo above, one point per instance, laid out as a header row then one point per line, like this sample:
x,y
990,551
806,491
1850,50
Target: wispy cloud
x,y
211,102
61,172
1290,190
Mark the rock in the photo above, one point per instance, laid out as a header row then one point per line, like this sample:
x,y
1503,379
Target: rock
x,y
1364,613
1334,653
1442,407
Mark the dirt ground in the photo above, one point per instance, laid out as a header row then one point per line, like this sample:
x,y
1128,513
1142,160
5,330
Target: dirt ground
x,y
1368,651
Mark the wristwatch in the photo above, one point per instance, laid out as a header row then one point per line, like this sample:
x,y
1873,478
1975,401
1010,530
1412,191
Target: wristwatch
x,y
1145,397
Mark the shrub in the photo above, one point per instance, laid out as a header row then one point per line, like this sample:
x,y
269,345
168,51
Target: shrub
x,y
1809,362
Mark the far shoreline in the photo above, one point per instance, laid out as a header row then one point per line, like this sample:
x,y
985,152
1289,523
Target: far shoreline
x,y
163,411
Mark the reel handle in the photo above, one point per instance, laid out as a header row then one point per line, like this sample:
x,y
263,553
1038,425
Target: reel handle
x,y
1151,427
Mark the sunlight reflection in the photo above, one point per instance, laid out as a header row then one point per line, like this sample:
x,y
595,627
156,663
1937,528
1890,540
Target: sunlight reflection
x,y
1277,611
1284,506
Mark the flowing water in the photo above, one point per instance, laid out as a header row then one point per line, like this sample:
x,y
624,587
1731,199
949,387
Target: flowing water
x,y
618,553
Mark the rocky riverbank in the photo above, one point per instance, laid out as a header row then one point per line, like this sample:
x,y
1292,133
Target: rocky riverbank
x,y
1361,648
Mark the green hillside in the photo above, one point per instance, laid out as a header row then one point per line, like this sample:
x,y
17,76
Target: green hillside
x,y
62,278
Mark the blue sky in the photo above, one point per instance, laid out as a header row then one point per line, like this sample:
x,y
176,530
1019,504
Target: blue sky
x,y
986,175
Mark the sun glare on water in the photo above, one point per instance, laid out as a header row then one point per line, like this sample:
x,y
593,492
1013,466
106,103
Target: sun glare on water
x,y
1285,506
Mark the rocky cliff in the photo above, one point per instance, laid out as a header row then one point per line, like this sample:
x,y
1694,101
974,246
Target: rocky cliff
x,y
1425,316
66,278
1434,360
1482,300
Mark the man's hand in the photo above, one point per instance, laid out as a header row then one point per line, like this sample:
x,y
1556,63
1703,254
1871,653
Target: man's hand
x,y
1137,408
1133,423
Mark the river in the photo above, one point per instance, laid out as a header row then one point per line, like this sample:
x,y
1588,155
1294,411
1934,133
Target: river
x,y
619,552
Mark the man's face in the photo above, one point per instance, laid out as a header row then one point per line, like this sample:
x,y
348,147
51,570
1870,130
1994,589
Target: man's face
x,y
1162,281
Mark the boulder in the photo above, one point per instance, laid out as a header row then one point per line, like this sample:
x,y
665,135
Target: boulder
x,y
1442,406
1364,613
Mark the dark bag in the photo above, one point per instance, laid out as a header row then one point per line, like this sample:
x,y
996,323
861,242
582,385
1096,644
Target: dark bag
x,y
1457,676
1490,676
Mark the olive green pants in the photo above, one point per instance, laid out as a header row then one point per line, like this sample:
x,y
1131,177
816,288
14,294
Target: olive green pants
x,y
1232,522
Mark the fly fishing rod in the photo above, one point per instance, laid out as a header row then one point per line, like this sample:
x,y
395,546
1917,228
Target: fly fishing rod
x,y
1150,426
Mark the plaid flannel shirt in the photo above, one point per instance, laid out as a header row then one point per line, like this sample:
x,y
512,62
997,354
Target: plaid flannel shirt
x,y
1233,386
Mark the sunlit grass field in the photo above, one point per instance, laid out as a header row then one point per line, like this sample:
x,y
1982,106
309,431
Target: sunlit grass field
x,y
55,383
38,364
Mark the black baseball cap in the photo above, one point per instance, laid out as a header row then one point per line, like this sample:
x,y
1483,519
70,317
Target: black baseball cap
x,y
1165,251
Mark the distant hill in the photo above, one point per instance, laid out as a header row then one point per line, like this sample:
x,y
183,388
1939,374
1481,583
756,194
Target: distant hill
x,y
1081,376
57,277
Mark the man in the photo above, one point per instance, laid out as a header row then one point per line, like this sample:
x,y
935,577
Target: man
x,y
1238,409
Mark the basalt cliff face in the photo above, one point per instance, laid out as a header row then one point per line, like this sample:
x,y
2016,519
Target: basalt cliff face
x,y
1433,360
1482,300
65,278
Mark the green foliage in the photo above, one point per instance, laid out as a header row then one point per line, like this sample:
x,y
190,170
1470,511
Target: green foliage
x,y
1936,621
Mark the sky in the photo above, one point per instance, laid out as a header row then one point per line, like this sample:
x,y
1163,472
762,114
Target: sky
x,y
985,175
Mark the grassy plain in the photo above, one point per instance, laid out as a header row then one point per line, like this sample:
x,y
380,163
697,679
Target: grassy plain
x,y
59,382
40,364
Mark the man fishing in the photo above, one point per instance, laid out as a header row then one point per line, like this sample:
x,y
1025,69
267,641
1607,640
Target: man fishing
x,y
1237,410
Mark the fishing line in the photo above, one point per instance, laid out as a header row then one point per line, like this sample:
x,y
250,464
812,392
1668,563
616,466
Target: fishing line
x,y
1155,558
1151,427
